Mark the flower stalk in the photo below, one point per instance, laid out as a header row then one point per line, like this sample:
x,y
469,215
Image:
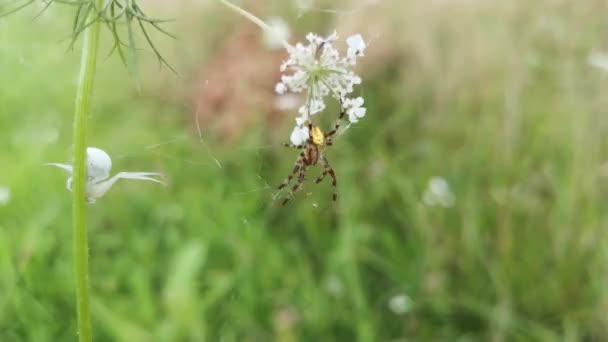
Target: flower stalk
x,y
257,21
87,187
84,92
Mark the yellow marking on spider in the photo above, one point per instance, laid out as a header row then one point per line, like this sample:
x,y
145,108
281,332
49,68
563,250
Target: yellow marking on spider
x,y
318,138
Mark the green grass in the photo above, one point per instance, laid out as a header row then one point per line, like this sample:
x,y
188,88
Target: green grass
x,y
504,108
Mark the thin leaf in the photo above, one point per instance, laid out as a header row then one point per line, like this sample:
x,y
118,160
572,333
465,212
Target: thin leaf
x,y
114,16
48,4
160,29
156,52
133,50
153,22
118,45
81,27
77,17
19,8
138,13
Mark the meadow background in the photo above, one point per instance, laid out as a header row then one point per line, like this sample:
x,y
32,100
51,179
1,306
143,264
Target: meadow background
x,y
497,97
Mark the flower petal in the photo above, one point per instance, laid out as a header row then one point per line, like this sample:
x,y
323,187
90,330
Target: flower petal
x,y
280,88
356,46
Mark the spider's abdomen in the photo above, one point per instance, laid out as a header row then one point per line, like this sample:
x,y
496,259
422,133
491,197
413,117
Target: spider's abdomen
x,y
317,136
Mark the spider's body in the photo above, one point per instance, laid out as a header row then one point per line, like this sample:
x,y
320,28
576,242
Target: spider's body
x,y
311,155
312,148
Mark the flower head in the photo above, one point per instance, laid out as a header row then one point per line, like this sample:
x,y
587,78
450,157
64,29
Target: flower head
x,y
5,195
354,109
438,193
99,165
400,304
315,67
599,60
356,47
318,69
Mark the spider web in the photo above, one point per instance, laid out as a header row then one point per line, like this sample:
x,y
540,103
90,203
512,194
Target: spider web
x,y
210,159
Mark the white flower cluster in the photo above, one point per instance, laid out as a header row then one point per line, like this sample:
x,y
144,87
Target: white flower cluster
x,y
99,165
318,69
438,193
5,195
401,304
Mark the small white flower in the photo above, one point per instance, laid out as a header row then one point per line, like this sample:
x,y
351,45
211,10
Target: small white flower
x,y
599,60
278,34
318,69
280,88
99,165
356,47
400,304
304,114
438,193
299,135
300,121
5,195
354,109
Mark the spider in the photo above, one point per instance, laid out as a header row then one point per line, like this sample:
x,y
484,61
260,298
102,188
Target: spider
x,y
312,153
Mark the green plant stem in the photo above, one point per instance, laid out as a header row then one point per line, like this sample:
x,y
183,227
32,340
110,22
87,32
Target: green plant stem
x,y
84,92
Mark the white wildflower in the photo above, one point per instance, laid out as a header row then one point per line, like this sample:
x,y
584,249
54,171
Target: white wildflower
x,y
400,304
99,165
438,193
599,60
300,121
318,69
279,33
299,135
356,47
280,88
354,109
5,195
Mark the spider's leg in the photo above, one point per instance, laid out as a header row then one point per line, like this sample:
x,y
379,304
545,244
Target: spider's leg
x,y
295,170
328,169
296,186
294,146
322,176
337,126
325,171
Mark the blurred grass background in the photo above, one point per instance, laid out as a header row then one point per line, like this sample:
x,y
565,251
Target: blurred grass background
x,y
496,97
